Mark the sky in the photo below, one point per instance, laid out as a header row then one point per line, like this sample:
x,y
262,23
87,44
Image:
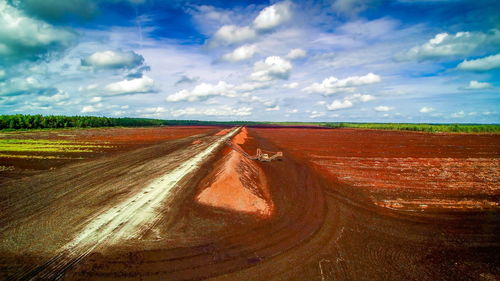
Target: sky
x,y
312,61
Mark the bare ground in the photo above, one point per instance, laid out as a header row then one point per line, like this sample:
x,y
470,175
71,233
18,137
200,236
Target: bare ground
x,y
320,229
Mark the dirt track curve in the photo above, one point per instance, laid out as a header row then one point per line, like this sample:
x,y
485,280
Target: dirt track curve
x,y
314,231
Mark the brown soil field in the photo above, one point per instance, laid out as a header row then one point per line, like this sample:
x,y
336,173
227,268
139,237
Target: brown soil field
x,y
105,141
343,204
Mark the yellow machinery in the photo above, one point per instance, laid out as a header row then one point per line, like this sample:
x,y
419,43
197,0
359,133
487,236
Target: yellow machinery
x,y
260,155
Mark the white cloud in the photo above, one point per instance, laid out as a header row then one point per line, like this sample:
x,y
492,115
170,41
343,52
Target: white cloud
x,y
118,113
333,85
203,91
247,98
133,86
230,34
481,64
268,19
252,86
220,111
458,114
444,44
296,54
360,97
57,97
95,99
89,109
25,37
292,85
112,59
316,114
426,109
151,111
241,53
272,16
382,108
337,104
271,68
476,85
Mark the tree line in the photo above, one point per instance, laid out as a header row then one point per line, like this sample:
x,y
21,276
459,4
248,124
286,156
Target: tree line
x,y
22,121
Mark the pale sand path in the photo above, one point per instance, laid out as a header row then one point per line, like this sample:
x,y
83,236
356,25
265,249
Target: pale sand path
x,y
125,220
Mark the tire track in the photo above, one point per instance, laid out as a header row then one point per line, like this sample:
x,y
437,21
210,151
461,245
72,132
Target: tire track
x,y
125,220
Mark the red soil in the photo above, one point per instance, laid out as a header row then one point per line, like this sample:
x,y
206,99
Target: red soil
x,y
237,184
402,169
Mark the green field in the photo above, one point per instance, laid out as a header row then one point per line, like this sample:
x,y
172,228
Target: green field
x,y
30,145
430,128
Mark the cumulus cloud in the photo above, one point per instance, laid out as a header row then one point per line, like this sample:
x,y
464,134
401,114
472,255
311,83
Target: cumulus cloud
x,y
217,111
292,85
241,53
476,85
382,108
203,91
360,97
247,98
22,37
91,108
133,86
95,99
348,101
296,54
230,34
155,111
273,16
315,114
112,60
268,19
481,64
337,104
271,68
334,85
426,109
444,44
252,86
458,114
56,98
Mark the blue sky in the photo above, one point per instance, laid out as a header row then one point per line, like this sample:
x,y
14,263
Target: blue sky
x,y
331,60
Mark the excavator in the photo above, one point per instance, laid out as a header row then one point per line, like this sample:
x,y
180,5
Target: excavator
x,y
260,155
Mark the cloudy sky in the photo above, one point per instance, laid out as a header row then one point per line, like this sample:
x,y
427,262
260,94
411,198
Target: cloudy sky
x,y
330,60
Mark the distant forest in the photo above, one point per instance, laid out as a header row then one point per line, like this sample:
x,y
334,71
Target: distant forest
x,y
22,122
